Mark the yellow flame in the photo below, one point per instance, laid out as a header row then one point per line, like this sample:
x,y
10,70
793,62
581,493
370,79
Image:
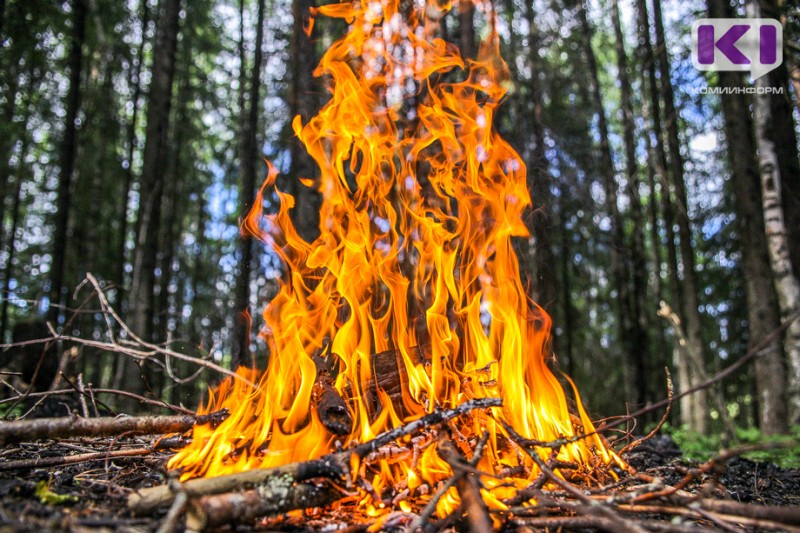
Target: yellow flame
x,y
421,198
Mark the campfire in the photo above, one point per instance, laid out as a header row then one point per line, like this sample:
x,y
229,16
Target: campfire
x,y
409,307
408,386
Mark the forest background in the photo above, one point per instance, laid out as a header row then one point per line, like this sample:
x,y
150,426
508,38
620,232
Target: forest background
x,y
132,142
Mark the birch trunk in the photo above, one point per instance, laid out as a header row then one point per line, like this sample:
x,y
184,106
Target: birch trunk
x,y
787,286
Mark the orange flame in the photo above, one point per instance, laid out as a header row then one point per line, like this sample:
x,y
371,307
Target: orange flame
x,y
421,198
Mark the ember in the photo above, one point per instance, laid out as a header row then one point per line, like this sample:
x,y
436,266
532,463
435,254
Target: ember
x,y
410,303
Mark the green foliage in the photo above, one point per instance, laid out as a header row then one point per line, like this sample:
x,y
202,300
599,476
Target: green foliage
x,y
49,497
783,450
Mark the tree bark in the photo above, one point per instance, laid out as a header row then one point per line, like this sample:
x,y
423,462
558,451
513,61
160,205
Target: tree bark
x,y
783,134
539,181
67,161
762,307
786,282
303,101
248,164
695,347
152,182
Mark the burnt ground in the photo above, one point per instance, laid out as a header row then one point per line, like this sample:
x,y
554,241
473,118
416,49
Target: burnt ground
x,y
91,495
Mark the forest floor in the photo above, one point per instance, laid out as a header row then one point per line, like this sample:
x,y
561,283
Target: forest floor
x,y
38,492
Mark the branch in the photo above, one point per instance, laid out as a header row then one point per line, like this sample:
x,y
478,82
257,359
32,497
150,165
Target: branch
x,y
54,428
333,466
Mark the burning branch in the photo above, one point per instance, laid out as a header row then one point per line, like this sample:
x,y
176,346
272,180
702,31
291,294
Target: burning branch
x,y
273,480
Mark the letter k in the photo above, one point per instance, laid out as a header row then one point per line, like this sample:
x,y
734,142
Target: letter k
x,y
726,44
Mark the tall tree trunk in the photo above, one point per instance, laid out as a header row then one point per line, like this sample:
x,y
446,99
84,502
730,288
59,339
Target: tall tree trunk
x,y
67,161
566,340
152,182
7,136
248,161
762,306
658,165
619,270
782,133
21,171
695,346
545,287
466,23
638,344
134,80
786,282
303,101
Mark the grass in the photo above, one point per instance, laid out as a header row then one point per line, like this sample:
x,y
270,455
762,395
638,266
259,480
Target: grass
x,y
703,447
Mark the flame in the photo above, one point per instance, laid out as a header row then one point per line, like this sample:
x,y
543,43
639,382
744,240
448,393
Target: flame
x,y
421,198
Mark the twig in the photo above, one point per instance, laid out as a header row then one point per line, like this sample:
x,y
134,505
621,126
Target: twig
x,y
92,391
472,503
430,507
721,458
758,350
40,462
175,512
591,506
663,420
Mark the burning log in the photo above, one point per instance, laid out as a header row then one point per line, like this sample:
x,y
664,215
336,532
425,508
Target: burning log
x,y
245,507
331,407
332,466
55,428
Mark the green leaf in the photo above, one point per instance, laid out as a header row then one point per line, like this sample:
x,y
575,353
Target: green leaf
x,y
49,497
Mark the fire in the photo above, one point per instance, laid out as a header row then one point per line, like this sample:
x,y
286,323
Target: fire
x,y
421,198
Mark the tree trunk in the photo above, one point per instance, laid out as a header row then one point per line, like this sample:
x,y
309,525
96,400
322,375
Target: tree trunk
x,y
7,136
762,306
638,344
545,287
619,270
248,161
466,23
784,138
657,160
303,101
135,80
152,182
67,161
786,282
695,346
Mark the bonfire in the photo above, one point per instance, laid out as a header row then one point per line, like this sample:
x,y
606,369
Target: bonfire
x,y
410,301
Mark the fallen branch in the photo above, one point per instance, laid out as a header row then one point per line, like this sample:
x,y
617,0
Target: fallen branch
x,y
333,466
63,460
245,507
55,428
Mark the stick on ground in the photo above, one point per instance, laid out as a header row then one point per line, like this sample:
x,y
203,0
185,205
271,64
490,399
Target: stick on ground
x,y
59,428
